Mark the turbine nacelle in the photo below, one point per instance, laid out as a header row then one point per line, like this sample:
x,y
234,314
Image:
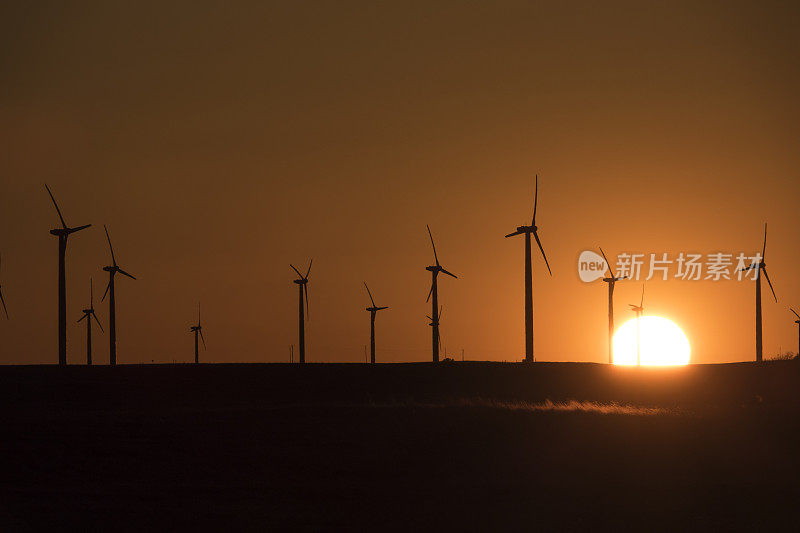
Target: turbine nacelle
x,y
59,232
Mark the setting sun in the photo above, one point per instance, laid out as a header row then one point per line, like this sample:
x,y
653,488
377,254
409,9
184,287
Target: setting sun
x,y
661,343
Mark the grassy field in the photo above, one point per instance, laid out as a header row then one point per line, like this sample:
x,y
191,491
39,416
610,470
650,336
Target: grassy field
x,y
461,446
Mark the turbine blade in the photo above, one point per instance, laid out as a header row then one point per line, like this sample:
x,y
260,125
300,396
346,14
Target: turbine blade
x,y
298,272
428,299
607,263
513,234
770,284
795,312
642,302
309,269
429,318
64,224
449,273
370,295
125,273
104,294
434,246
382,308
98,322
79,228
535,200
203,339
764,249
113,259
81,318
536,235
4,304
441,312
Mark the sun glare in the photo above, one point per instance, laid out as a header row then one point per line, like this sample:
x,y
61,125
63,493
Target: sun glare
x,y
661,343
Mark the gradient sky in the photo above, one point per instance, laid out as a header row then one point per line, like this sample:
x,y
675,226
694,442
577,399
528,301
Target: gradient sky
x,y
220,141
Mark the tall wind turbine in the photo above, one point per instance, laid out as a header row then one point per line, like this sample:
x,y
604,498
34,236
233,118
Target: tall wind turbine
x,y
638,309
112,305
434,270
198,330
2,300
372,311
88,314
62,233
761,267
611,280
302,283
527,230
798,330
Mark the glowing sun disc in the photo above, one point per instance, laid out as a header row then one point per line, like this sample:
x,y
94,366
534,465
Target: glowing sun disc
x,y
661,343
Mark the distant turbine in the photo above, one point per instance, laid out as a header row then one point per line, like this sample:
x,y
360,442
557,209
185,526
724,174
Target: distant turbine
x,y
611,280
198,330
302,283
62,233
527,230
434,270
2,300
112,304
761,267
798,330
372,310
436,326
638,309
88,314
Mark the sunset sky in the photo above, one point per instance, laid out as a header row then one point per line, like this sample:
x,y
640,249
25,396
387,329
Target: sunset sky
x,y
220,142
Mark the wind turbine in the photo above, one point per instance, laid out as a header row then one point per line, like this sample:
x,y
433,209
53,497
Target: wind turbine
x,y
302,283
2,300
798,330
198,330
112,305
527,231
62,233
88,314
638,309
436,325
372,311
761,266
434,270
611,280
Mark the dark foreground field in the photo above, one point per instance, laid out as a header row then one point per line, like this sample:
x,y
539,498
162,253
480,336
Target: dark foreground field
x,y
466,446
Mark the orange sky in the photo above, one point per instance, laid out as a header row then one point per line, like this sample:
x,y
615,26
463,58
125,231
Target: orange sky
x,y
220,143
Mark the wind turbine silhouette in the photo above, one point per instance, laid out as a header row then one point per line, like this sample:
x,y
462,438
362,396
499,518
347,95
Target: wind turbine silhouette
x,y
198,330
798,330
302,283
638,309
88,314
62,233
434,270
527,230
112,305
761,266
2,300
436,325
611,280
372,311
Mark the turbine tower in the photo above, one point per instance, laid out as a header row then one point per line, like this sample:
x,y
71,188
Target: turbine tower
x,y
112,304
198,330
527,231
434,270
88,314
798,330
638,309
611,280
761,266
302,283
2,300
372,311
62,233
431,323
